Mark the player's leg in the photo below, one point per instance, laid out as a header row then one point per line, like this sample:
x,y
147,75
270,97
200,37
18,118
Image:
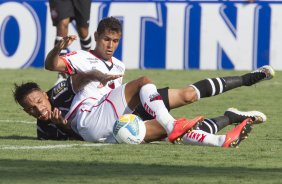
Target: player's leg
x,y
231,139
95,124
85,38
61,13
62,29
154,131
98,122
82,18
209,125
214,86
232,116
203,134
143,114
182,96
212,125
154,105
142,91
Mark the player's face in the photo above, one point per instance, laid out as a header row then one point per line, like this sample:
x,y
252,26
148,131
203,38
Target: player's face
x,y
37,105
107,43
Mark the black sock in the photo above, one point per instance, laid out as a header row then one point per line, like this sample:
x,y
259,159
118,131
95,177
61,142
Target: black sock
x,y
215,86
252,78
214,125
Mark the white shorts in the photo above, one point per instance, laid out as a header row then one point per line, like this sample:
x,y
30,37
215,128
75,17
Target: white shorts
x,y
94,120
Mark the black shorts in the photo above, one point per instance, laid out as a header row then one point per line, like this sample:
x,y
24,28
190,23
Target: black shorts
x,y
79,10
142,113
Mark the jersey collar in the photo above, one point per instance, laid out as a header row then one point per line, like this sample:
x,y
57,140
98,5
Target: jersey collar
x,y
93,52
104,61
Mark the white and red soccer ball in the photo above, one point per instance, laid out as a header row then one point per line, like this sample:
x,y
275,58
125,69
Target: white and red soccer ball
x,y
129,129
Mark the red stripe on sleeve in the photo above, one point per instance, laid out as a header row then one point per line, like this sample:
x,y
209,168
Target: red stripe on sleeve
x,y
70,70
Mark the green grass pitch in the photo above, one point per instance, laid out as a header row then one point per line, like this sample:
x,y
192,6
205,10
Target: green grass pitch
x,y
23,159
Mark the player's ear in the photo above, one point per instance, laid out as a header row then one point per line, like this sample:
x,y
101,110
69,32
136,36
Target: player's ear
x,y
96,36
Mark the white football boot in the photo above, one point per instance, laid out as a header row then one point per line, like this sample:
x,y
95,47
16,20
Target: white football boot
x,y
235,116
267,70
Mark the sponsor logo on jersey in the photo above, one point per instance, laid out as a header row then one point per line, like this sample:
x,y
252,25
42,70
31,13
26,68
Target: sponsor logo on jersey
x,y
111,85
59,89
92,59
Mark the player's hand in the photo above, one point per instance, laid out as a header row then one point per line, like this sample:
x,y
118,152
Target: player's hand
x,y
56,117
108,78
66,41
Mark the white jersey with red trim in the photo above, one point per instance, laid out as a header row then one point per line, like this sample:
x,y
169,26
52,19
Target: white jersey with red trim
x,y
83,61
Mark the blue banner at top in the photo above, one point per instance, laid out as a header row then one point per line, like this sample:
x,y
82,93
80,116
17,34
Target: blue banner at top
x,y
240,35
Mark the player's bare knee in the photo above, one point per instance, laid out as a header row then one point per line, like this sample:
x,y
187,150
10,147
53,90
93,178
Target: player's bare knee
x,y
189,95
144,80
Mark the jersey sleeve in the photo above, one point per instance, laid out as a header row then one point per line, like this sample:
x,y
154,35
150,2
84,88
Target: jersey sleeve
x,y
77,61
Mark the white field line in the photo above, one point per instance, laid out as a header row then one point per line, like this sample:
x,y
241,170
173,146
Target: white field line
x,y
16,121
60,146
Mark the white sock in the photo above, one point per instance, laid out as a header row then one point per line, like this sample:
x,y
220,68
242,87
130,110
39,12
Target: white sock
x,y
199,137
154,105
86,38
58,38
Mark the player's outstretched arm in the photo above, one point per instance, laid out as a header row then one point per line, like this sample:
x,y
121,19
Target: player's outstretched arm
x,y
53,62
80,80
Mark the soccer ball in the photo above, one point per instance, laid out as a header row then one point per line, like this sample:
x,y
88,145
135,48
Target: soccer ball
x,y
129,129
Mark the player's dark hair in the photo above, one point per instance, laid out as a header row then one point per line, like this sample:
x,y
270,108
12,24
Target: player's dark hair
x,y
109,23
20,91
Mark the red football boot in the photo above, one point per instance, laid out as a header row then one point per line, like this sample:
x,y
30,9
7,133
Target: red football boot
x,y
181,126
239,133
